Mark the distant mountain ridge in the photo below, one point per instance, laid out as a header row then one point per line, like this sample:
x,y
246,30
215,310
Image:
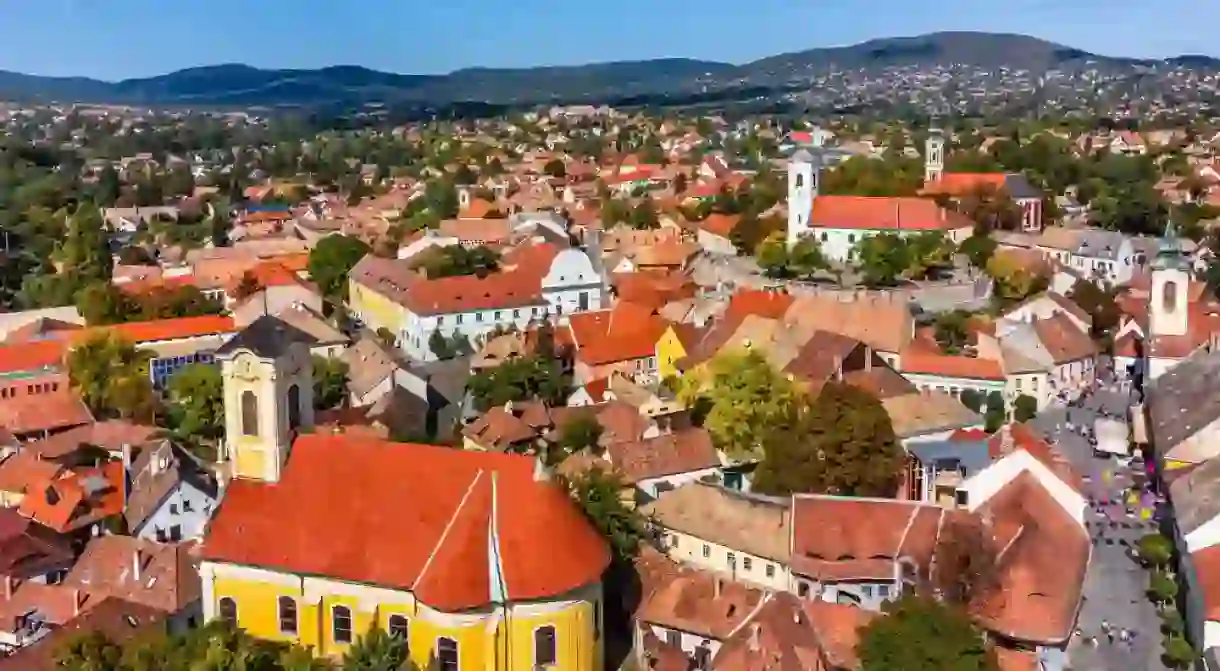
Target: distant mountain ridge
x,y
243,85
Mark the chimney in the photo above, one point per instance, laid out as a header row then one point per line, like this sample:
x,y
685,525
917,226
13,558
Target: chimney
x,y
717,587
868,358
136,560
9,586
754,637
838,368
78,600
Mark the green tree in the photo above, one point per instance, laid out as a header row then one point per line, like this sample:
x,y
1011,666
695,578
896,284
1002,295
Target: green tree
x,y
329,382
951,330
555,168
1013,281
526,378
644,216
581,433
600,495
1179,653
840,443
772,255
331,260
84,251
978,249
1155,550
377,650
1099,304
112,378
102,303
457,260
922,634
743,396
1162,588
196,411
1024,408
928,253
90,651
972,399
806,258
881,259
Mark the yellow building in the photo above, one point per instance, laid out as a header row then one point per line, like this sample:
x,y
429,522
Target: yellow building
x,y
377,307
675,344
475,558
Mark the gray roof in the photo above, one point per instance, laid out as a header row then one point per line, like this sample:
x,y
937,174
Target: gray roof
x,y
972,454
268,337
1018,186
1196,496
1099,244
1184,400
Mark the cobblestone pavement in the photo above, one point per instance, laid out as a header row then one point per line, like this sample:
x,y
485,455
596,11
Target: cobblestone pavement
x,y
1114,589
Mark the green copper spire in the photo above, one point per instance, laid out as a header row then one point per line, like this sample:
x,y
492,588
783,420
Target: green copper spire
x,y
1169,254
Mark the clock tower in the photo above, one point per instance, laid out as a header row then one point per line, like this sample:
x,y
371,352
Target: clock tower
x,y
268,396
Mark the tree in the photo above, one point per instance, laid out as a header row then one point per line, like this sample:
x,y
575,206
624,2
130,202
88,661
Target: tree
x,y
600,495
1099,304
580,433
644,215
1155,550
951,330
882,259
555,168
90,651
102,303
928,253
112,378
991,210
842,443
1162,588
966,570
457,260
329,382
377,650
1179,654
84,251
1024,408
743,395
922,634
331,260
971,399
196,412
978,249
1014,282
772,255
806,257
531,377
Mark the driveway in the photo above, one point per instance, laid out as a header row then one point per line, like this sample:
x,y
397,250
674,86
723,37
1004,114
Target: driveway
x,y
1114,588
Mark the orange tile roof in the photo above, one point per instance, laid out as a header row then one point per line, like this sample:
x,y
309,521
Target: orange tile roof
x,y
720,224
625,332
521,287
34,413
160,329
961,183
883,213
945,365
32,356
1025,438
432,511
758,302
264,216
73,502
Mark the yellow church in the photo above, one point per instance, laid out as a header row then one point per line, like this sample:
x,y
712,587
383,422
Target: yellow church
x,y
474,558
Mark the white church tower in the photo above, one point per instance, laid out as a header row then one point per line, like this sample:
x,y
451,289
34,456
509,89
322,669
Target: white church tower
x,y
1168,309
804,171
934,155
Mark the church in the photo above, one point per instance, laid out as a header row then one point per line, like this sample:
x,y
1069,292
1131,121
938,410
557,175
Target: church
x,y
937,182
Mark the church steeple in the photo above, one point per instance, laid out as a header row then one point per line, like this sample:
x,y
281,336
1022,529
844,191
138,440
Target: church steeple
x,y
1169,252
934,153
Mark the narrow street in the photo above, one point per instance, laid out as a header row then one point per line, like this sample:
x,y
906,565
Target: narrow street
x,y
1115,585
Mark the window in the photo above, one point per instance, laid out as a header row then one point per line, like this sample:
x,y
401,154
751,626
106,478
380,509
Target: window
x,y
400,627
516,313
707,551
173,509
544,646
732,561
883,591
446,654
867,591
440,320
175,533
800,180
770,570
459,319
802,590
288,615
497,315
249,413
746,563
478,316
227,611
1169,296
294,407
341,624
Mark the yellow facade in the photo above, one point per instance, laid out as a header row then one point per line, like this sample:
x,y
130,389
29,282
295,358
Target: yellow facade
x,y
492,639
375,310
669,352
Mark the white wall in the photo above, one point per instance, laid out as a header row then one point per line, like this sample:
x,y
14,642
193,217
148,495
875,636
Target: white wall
x,y
688,549
174,511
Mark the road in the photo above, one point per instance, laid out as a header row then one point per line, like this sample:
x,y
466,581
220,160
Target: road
x,y
1115,585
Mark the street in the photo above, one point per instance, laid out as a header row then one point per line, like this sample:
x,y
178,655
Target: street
x,y
1115,585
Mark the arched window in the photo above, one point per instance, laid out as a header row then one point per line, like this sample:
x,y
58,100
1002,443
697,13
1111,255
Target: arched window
x,y
249,413
544,646
294,406
800,180
341,624
446,654
288,615
227,610
1169,296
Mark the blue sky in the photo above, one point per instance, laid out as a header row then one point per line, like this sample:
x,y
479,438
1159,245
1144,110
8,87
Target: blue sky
x,y
113,39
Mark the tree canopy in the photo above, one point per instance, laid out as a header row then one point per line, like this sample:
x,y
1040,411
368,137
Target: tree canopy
x,y
599,493
840,443
922,634
196,412
522,379
329,382
331,260
112,378
455,260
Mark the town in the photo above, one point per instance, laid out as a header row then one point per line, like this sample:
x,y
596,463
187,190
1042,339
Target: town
x,y
585,388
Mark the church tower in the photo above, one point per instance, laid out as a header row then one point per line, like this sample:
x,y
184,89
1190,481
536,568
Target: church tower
x,y
1168,309
268,396
804,172
934,155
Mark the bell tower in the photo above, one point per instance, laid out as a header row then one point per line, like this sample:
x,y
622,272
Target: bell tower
x,y
804,172
267,371
1168,309
934,154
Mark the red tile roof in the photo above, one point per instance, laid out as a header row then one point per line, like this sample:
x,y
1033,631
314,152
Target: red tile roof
x,y
517,288
34,413
962,183
720,224
883,213
416,517
76,501
625,332
944,365
758,302
178,328
32,356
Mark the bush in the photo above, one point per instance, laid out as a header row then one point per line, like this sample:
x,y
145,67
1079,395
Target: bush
x,y
1178,653
1172,623
1155,550
1162,588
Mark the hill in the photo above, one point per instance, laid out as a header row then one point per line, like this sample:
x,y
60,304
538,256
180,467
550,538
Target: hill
x,y
242,85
